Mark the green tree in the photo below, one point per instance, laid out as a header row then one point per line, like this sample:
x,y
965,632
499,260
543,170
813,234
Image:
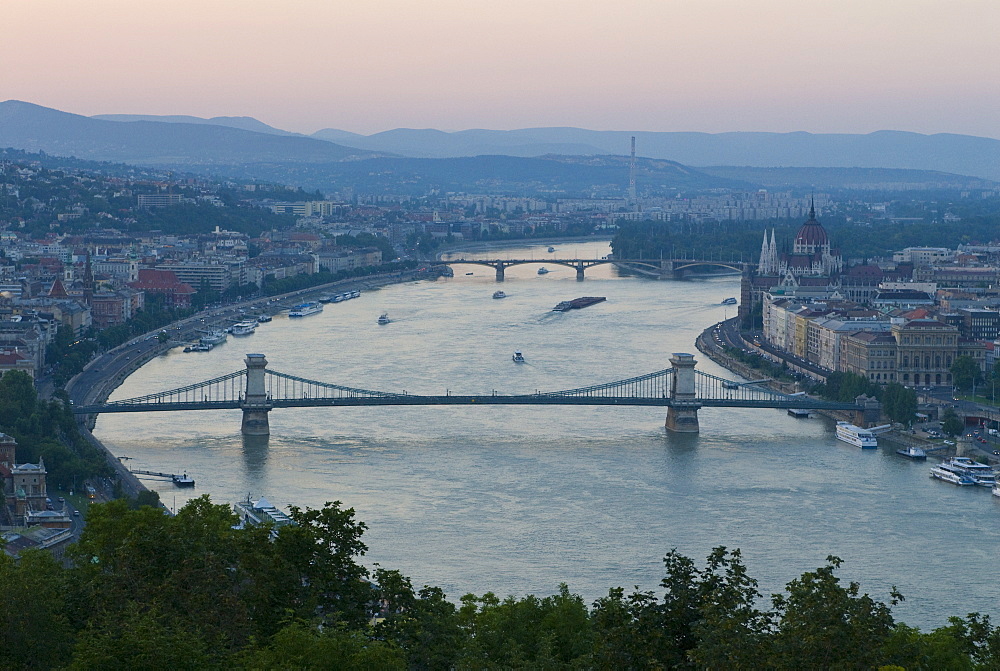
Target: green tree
x,y
965,372
899,403
951,423
35,632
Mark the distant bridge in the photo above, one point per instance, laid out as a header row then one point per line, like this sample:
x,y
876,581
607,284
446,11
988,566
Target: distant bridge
x,y
681,389
664,268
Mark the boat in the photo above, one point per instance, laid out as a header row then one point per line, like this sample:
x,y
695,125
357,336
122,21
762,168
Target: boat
x,y
543,270
729,301
499,294
912,452
255,513
198,347
263,319
552,249
943,472
354,294
384,318
213,338
578,303
338,298
305,309
183,480
518,357
797,413
244,328
857,436
468,273
996,490
981,474
326,299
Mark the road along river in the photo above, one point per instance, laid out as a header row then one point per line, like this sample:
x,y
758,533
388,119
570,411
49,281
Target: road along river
x,y
516,499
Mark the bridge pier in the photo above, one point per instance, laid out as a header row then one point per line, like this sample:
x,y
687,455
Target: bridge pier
x,y
500,267
255,403
682,414
579,271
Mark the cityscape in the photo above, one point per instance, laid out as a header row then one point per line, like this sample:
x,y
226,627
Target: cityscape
x,y
355,367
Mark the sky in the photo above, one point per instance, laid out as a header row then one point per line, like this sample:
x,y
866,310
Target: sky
x,y
823,66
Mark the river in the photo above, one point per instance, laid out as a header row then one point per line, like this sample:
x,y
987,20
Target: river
x,y
515,499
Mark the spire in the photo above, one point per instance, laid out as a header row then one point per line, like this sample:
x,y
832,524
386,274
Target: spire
x,y
765,256
812,208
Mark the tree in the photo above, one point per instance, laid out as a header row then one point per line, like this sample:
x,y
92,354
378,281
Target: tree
x,y
899,403
965,372
951,423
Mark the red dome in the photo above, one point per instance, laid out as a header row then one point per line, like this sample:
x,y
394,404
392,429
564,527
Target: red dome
x,y
812,233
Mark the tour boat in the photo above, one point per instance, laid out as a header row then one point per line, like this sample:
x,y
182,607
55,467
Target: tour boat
x,y
857,436
982,474
518,357
948,474
213,338
305,309
244,328
499,294
384,318
912,452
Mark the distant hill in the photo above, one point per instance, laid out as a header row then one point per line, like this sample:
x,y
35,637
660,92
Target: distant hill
x,y
960,154
546,176
241,122
880,179
192,145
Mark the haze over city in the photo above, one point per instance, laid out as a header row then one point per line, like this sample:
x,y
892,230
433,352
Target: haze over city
x,y
712,66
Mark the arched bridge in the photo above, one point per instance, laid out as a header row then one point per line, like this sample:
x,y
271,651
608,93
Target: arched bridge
x,y
664,268
256,391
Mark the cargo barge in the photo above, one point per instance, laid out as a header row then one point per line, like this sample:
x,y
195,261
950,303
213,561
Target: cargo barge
x,y
577,303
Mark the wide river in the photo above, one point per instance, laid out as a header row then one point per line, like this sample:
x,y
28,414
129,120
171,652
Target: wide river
x,y
515,499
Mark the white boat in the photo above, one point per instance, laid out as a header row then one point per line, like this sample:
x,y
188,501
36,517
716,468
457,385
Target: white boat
x,y
856,436
255,513
518,357
354,294
384,318
244,328
305,309
947,474
729,301
543,270
213,338
499,294
996,490
338,298
263,319
982,474
198,347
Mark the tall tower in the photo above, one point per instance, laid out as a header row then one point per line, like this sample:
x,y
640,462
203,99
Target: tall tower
x,y
631,176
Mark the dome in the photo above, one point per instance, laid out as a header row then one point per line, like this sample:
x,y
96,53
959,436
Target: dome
x,y
811,234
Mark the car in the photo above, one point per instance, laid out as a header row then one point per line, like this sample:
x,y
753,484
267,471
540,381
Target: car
x,y
61,499
76,513
996,452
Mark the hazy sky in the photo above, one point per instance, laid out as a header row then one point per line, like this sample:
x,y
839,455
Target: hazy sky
x,y
369,65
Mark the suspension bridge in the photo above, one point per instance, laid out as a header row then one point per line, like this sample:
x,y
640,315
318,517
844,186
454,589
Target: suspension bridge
x,y
664,268
681,389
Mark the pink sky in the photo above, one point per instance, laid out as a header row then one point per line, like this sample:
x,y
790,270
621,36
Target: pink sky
x,y
370,65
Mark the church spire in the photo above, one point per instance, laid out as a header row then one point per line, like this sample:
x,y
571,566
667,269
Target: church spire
x,y
812,208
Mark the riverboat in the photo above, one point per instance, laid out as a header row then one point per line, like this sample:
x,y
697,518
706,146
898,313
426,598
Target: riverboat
x,y
305,309
255,513
856,436
383,318
996,489
499,294
729,301
263,319
578,303
912,452
518,357
213,338
198,347
244,328
948,474
982,474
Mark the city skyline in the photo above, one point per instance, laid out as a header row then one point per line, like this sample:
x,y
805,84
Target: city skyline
x,y
715,66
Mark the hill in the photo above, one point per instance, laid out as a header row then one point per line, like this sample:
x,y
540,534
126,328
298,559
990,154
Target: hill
x,y
859,179
35,128
241,122
961,154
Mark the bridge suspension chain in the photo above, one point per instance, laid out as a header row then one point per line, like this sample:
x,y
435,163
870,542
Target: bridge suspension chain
x,y
650,385
225,388
288,387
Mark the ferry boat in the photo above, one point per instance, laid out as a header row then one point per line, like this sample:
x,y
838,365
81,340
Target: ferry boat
x,y
729,301
499,294
254,513
912,452
857,436
518,357
543,270
213,338
982,474
384,318
244,328
948,474
305,309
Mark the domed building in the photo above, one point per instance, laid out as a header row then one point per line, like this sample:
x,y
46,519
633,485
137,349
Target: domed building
x,y
811,254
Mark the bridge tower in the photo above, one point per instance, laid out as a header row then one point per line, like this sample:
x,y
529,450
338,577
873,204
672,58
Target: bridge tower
x,y
500,266
682,414
256,403
579,271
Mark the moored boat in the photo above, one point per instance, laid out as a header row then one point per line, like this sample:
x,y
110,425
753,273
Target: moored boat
x,y
947,474
183,480
243,328
263,319
981,474
856,436
912,452
213,337
305,309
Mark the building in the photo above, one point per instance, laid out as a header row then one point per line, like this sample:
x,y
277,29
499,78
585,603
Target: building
x,y
151,200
